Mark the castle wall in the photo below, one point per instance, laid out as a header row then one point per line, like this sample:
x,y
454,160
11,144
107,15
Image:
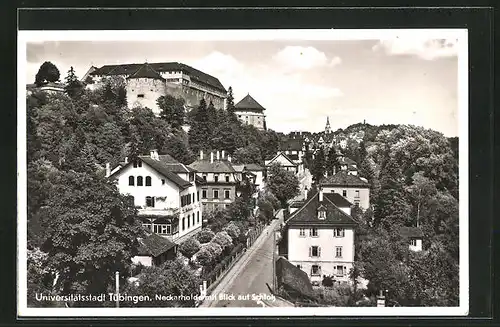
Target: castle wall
x,y
143,92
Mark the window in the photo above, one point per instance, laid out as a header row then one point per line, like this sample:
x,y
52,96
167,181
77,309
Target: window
x,y
135,164
198,196
183,223
302,232
338,232
227,178
216,177
322,214
150,201
198,217
191,177
193,199
413,242
139,181
344,192
204,176
216,194
148,180
338,252
315,270
313,232
299,266
226,194
162,182
139,163
315,251
193,219
131,180
189,220
140,95
356,194
204,193
340,270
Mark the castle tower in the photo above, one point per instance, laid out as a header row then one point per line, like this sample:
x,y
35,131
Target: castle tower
x,y
327,127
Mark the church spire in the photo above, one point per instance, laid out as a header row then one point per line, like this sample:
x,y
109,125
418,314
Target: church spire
x,y
327,127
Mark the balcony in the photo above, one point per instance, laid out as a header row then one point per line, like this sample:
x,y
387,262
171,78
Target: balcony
x,y
157,211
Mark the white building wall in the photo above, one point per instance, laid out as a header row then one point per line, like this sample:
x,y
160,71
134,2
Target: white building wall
x,y
351,194
256,119
298,251
143,260
150,88
417,247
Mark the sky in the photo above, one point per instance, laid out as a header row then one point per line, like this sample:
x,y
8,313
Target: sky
x,y
300,82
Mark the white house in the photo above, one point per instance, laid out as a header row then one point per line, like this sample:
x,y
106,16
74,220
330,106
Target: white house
x,y
285,162
319,238
352,187
414,237
259,173
166,193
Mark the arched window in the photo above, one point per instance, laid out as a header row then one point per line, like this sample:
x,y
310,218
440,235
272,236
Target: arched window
x,y
131,180
189,220
148,180
139,181
183,223
198,217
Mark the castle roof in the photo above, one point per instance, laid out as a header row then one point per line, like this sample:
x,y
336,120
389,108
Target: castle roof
x,y
145,71
160,67
249,103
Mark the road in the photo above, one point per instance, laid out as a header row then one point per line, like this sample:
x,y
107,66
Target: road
x,y
249,276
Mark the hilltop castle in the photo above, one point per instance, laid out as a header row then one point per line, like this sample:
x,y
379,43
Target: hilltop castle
x,y
145,83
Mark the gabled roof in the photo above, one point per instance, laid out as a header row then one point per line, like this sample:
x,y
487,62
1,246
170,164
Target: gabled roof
x,y
145,71
411,232
307,215
194,74
217,166
283,155
249,103
289,275
166,170
342,178
338,200
154,245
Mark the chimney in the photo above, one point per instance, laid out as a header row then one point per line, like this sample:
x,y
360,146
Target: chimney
x,y
218,155
108,169
126,160
154,154
211,157
201,154
320,195
222,155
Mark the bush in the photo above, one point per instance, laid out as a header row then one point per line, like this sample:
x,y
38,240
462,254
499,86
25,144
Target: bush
x,y
223,239
232,230
189,247
327,281
205,235
215,249
205,257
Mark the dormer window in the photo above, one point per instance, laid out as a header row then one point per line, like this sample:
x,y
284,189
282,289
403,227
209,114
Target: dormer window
x,y
322,215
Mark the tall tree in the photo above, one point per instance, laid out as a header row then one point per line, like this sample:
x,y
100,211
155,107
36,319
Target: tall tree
x,y
172,110
47,72
283,184
230,100
178,149
73,85
318,168
199,133
331,162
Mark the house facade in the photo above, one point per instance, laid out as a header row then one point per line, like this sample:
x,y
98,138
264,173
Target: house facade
x,y
220,180
165,192
414,236
285,163
319,239
250,112
355,189
176,79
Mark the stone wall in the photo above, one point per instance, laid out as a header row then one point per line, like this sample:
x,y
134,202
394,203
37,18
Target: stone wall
x,y
143,92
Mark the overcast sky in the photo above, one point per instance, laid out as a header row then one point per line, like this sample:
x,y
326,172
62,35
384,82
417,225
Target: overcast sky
x,y
300,83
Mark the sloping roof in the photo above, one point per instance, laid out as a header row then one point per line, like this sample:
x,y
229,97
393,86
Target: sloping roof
x,y
249,103
145,71
254,167
307,215
174,165
239,168
154,245
297,204
293,156
338,200
342,178
411,232
294,144
194,74
293,277
280,154
166,170
218,166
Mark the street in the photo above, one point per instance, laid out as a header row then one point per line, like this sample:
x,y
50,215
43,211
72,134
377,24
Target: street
x,y
250,275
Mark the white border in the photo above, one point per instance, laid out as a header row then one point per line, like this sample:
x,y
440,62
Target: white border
x,y
245,35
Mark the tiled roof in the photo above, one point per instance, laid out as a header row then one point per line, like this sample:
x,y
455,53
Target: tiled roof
x,y
307,215
145,71
253,167
342,178
292,144
297,204
338,200
218,166
154,245
160,67
293,277
281,154
174,165
293,156
411,232
166,170
249,103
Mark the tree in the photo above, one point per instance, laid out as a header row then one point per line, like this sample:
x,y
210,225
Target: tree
x,y
232,230
230,100
331,162
216,219
47,72
200,131
240,209
318,168
172,110
73,85
205,235
178,149
420,189
174,280
283,184
189,247
223,239
92,232
247,155
39,276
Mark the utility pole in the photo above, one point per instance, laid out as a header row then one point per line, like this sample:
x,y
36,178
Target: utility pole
x,y
117,291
